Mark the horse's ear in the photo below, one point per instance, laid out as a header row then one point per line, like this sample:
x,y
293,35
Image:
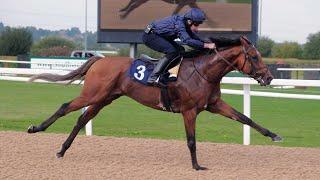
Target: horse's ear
x,y
245,41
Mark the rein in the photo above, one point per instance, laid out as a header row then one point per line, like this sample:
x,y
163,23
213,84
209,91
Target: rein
x,y
195,68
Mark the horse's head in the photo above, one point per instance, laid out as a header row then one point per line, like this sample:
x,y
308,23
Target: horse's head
x,y
250,62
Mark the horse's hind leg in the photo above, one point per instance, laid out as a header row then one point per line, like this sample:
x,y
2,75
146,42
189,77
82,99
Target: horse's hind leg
x,y
90,113
94,91
66,108
44,125
224,109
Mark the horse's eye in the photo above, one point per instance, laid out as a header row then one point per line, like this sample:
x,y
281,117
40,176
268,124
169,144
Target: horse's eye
x,y
254,58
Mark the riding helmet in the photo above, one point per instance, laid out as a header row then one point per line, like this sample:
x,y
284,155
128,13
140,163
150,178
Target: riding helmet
x,y
195,15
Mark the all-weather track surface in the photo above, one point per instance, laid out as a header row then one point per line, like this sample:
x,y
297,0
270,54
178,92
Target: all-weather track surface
x,y
32,156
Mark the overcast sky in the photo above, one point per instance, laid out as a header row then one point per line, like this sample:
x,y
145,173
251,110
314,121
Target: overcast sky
x,y
282,20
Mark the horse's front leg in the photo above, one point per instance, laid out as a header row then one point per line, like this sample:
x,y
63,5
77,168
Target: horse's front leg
x,y
178,8
131,7
190,124
220,107
127,6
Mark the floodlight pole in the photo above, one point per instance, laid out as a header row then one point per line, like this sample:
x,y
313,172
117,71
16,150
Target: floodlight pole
x,y
88,127
85,34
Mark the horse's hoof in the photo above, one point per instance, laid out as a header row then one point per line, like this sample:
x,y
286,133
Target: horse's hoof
x,y
197,167
31,129
122,15
59,155
277,139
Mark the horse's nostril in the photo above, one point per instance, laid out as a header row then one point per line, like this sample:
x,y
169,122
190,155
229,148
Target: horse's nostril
x,y
269,79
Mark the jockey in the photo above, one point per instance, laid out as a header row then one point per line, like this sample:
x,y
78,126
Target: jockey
x,y
160,36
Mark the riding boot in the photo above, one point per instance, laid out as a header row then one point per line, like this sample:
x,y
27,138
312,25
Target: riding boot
x,y
162,64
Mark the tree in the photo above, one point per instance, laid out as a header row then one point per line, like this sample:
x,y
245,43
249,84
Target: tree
x,y
15,41
53,41
53,46
287,50
92,42
265,45
1,27
74,31
312,47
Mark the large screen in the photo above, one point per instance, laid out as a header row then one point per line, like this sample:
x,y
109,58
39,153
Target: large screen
x,y
224,16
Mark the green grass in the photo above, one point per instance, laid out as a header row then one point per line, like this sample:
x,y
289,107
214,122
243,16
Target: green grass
x,y
22,104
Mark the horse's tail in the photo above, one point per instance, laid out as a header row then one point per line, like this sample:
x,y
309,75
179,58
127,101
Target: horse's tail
x,y
72,76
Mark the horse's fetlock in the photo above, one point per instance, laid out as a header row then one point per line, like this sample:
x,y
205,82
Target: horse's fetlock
x,y
270,134
65,146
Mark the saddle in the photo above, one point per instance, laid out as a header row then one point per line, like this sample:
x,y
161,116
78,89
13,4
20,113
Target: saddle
x,y
142,68
147,58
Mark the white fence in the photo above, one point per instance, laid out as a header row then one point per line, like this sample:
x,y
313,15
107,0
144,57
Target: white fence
x,y
298,69
12,74
247,93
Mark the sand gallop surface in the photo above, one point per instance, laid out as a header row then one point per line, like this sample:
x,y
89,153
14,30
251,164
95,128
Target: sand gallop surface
x,y
25,156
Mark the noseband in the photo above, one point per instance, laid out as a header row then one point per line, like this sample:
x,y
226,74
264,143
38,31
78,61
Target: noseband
x,y
254,72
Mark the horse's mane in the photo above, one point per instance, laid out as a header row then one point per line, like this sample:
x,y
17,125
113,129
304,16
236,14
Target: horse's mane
x,y
222,43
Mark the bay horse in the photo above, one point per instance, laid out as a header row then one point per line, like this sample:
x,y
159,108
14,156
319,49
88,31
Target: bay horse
x,y
196,89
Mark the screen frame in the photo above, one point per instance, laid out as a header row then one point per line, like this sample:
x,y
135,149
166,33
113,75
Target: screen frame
x,y
134,36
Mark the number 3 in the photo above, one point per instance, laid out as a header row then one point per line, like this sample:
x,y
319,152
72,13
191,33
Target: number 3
x,y
140,75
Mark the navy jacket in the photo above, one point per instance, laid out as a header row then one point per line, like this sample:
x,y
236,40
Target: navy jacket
x,y
174,27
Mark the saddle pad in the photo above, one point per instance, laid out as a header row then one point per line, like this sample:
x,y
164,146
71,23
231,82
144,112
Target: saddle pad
x,y
140,70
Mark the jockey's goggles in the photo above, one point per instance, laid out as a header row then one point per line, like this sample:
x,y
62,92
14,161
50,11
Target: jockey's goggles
x,y
197,23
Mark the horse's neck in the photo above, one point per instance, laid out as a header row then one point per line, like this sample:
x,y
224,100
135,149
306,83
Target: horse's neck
x,y
215,68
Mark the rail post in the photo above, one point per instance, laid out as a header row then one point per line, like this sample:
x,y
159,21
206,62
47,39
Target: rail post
x,y
133,50
88,125
246,111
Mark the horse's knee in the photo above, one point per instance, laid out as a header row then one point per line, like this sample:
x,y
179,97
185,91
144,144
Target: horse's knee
x,y
191,143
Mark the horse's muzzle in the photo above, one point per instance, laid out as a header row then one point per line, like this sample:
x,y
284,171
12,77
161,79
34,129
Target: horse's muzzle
x,y
265,80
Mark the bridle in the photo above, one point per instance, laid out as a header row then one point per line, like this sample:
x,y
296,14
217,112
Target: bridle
x,y
254,73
